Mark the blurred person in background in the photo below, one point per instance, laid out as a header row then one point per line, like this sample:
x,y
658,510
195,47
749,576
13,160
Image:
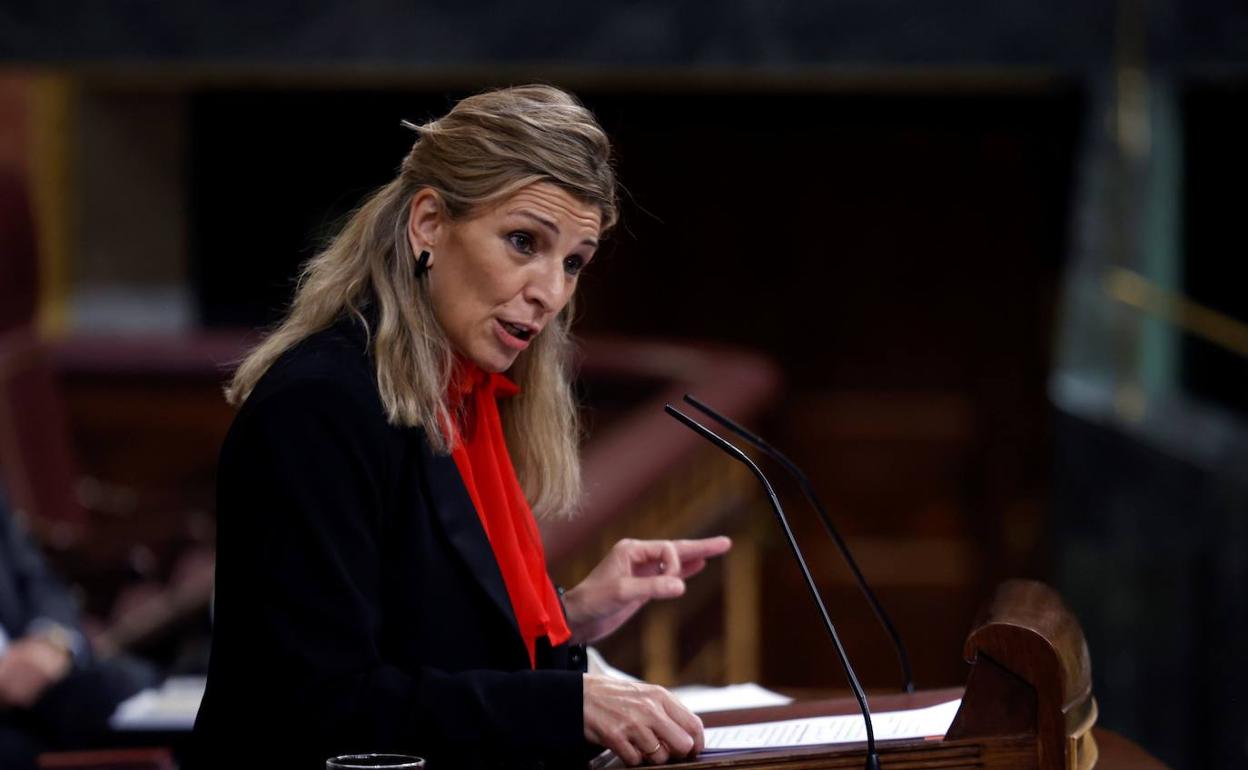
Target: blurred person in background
x,y
381,583
53,693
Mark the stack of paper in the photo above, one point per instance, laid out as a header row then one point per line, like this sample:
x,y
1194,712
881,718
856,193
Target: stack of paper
x,y
932,721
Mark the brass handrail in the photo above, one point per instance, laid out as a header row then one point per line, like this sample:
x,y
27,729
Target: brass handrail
x,y
1134,290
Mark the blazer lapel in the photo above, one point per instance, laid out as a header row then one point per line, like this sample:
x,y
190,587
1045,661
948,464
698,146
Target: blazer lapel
x,y
454,508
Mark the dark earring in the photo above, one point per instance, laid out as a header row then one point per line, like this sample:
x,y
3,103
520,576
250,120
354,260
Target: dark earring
x,y
422,262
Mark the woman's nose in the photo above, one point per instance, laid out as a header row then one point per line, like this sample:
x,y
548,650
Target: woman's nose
x,y
547,286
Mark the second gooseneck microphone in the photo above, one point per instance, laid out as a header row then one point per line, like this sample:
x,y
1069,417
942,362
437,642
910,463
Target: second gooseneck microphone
x,y
808,489
873,758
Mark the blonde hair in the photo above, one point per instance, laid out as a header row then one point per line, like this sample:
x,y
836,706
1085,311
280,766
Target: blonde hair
x,y
486,148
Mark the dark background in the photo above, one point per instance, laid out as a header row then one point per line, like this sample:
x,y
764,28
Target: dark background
x,y
885,197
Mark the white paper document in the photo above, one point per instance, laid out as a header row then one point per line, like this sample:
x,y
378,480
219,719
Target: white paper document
x,y
932,721
700,699
172,706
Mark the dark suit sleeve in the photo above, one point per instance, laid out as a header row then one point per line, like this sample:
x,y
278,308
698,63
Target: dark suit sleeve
x,y
300,579
41,594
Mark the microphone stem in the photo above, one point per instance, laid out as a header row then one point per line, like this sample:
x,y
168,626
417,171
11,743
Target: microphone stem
x,y
859,695
873,759
907,673
808,490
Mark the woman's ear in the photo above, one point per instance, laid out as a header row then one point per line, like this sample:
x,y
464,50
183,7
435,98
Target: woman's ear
x,y
425,219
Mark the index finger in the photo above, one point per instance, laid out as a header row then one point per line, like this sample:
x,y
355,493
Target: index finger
x,y
703,548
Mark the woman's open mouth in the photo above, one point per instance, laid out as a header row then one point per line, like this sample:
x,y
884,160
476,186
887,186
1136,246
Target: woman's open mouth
x,y
515,330
513,335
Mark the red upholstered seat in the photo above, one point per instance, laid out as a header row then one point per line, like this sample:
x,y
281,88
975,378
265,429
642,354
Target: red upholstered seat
x,y
111,759
39,466
19,267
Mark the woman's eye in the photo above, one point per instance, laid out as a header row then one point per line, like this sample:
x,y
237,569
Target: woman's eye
x,y
523,242
573,264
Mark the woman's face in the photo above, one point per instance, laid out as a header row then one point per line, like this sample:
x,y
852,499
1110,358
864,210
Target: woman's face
x,y
498,277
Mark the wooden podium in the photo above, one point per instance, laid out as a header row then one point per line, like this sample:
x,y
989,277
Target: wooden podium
x,y
1027,704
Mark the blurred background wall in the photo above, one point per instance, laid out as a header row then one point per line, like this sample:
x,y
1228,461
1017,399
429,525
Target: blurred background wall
x,y
997,251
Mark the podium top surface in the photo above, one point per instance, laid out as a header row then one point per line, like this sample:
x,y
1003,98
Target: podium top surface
x,y
1116,752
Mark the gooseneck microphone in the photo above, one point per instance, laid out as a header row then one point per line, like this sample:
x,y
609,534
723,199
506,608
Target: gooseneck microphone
x,y
873,758
808,490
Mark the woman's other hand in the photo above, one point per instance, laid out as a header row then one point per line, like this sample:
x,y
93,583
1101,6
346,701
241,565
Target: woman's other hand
x,y
640,722
633,573
29,667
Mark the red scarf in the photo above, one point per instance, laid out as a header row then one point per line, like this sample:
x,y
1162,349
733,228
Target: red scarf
x,y
480,453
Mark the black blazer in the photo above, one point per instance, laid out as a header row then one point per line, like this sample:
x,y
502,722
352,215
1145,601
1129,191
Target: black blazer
x,y
358,606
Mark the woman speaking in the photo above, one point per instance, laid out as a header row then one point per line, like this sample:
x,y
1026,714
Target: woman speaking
x,y
381,585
